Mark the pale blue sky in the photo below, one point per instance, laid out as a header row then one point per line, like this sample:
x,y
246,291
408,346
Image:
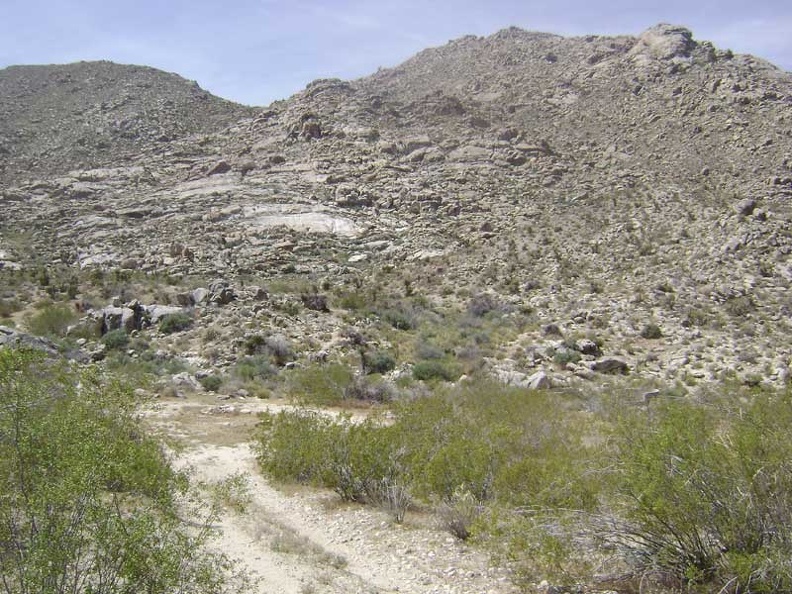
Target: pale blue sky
x,y
257,51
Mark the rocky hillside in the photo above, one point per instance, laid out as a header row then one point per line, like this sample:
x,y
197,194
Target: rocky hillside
x,y
571,206
57,118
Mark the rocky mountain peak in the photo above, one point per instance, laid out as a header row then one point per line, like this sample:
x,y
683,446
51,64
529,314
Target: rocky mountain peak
x,y
665,42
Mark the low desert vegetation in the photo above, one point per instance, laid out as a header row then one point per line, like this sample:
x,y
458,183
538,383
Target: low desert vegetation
x,y
176,322
89,503
51,320
692,494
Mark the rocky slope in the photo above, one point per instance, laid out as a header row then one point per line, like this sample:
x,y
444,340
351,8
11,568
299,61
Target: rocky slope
x,y
627,193
57,118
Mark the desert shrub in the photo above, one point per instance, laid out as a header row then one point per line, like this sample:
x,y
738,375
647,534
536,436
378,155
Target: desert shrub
x,y
211,383
427,350
255,344
707,491
8,307
253,368
294,446
315,301
51,320
277,347
280,349
319,384
399,319
353,301
458,514
377,362
651,331
488,442
435,370
740,306
564,355
483,304
90,504
313,448
370,390
116,340
694,316
85,328
175,322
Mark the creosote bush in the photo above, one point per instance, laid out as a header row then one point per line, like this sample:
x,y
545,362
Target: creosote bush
x,y
377,362
89,503
257,367
651,331
460,440
697,495
116,339
175,322
435,370
51,320
707,492
211,383
320,384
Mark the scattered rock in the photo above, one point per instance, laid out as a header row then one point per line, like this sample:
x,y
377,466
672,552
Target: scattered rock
x,y
745,207
611,366
219,168
539,381
220,292
14,339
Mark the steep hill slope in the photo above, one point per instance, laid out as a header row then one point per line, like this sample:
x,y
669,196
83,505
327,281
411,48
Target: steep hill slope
x,y
629,192
55,118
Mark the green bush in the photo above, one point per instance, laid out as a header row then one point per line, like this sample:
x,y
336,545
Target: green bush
x,y
698,493
175,322
427,350
356,460
277,347
253,368
116,340
564,355
370,390
51,321
400,320
651,332
89,503
377,362
320,384
739,307
211,383
707,491
8,307
435,370
489,442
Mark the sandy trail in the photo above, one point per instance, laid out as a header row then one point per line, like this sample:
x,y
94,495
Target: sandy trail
x,y
306,541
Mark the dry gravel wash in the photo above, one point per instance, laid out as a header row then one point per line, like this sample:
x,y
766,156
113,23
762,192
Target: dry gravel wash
x,y
303,541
